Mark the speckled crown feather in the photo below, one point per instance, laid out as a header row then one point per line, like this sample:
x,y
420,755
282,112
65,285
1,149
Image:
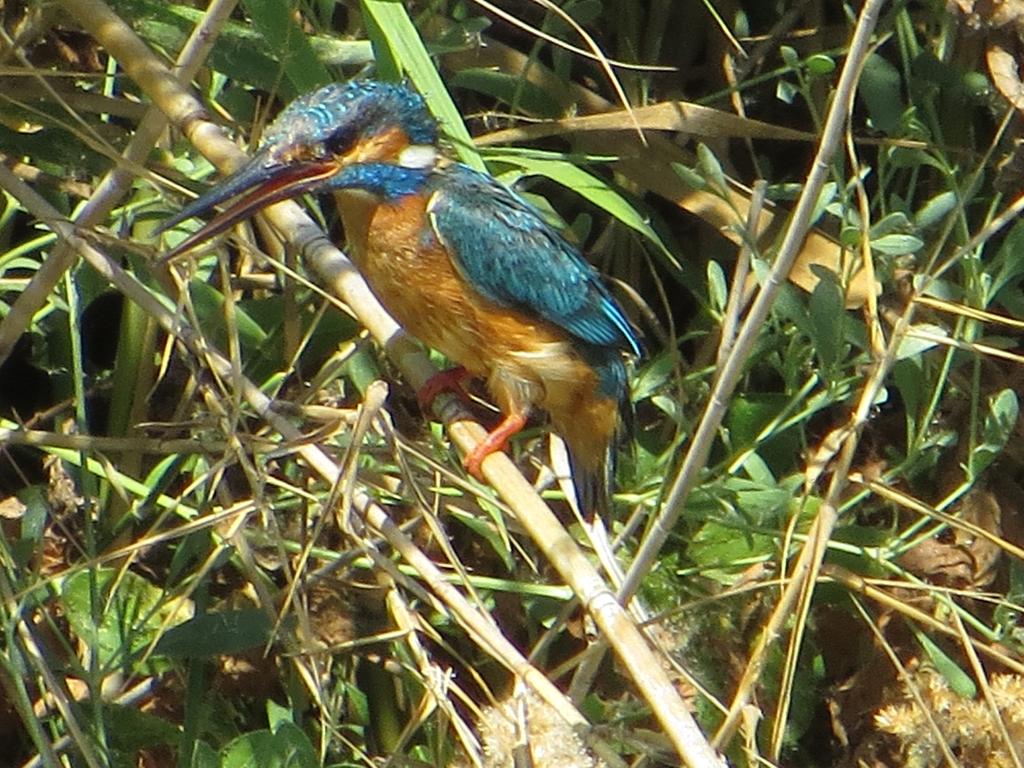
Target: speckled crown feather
x,y
360,105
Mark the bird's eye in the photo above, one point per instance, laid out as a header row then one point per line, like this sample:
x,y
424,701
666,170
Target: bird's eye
x,y
341,141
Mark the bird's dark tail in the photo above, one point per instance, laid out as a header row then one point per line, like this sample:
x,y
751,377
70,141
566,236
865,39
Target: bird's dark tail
x,y
594,481
591,426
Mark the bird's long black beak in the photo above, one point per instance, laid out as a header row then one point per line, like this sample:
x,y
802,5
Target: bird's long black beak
x,y
259,183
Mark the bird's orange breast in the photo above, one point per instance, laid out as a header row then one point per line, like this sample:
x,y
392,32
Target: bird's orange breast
x,y
526,361
413,276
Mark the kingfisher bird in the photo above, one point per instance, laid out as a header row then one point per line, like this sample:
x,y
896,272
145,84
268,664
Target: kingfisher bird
x,y
462,262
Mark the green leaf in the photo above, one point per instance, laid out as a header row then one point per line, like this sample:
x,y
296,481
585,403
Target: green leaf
x,y
131,729
849,237
959,681
276,715
239,48
213,634
880,87
906,157
400,50
690,177
32,524
820,64
711,169
911,383
894,222
723,551
654,376
203,756
718,286
209,305
911,345
826,310
509,88
1007,613
252,750
163,474
828,193
999,424
1010,259
583,12
273,20
897,245
289,747
746,419
935,210
295,744
117,613
757,469
51,145
487,530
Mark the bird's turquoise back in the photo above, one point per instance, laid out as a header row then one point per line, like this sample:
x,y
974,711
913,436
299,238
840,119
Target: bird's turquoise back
x,y
508,253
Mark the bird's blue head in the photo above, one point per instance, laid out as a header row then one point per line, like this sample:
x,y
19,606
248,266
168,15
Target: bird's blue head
x,y
320,140
342,115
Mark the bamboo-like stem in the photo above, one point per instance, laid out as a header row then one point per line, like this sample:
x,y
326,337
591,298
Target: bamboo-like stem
x,y
732,369
336,272
133,290
113,186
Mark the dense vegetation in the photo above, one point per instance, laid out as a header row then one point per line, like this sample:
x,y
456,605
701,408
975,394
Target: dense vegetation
x,y
230,537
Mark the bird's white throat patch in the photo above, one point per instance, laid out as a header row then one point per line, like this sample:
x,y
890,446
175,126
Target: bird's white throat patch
x,y
418,156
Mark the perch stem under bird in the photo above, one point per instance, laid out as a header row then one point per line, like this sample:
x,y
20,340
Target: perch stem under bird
x,y
462,262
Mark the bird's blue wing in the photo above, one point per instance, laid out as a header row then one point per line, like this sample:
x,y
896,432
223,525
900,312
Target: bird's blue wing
x,y
503,247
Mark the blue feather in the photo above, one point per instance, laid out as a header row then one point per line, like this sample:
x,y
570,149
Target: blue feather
x,y
609,367
512,256
384,180
358,107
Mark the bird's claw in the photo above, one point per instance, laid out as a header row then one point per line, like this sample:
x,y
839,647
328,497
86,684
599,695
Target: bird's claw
x,y
449,380
473,462
495,441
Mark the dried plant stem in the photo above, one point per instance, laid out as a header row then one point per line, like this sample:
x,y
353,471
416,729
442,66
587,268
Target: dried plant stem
x,y
480,624
967,643
10,434
807,566
113,186
911,686
738,291
731,371
334,270
853,582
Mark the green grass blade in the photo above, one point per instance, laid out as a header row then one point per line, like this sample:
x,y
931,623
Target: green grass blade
x,y
301,65
400,51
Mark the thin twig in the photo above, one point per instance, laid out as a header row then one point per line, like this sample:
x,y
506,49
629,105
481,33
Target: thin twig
x,y
336,271
732,370
113,186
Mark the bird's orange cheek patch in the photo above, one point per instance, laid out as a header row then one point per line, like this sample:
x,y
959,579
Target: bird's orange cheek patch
x,y
380,147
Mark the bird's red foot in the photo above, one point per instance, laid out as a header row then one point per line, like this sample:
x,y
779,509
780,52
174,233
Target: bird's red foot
x,y
495,441
450,380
